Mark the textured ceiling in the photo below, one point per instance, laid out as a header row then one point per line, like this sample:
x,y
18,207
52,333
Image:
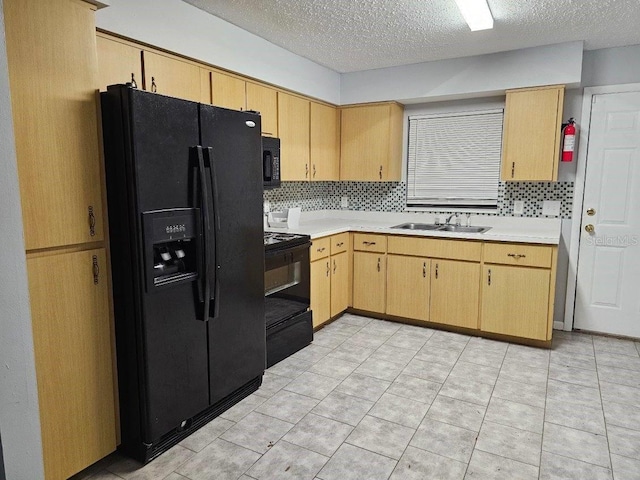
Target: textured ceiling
x,y
352,35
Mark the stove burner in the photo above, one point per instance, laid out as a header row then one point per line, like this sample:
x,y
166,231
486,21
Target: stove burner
x,y
278,239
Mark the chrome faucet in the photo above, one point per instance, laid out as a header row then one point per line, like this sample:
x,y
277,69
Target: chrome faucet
x,y
446,222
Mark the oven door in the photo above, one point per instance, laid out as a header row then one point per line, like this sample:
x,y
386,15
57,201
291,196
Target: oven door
x,y
287,285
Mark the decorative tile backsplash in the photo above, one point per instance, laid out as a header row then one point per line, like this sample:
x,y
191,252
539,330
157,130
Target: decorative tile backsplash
x,y
391,196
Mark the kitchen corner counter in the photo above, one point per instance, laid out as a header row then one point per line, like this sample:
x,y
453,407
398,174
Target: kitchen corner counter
x,y
322,223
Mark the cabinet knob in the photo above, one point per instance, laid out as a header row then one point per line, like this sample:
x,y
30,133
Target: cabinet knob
x,y
339,244
328,268
380,172
378,263
92,222
154,87
489,277
436,271
96,270
314,170
368,244
513,169
320,249
516,256
306,170
334,267
424,270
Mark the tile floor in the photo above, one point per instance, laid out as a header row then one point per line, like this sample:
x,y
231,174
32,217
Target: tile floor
x,y
371,399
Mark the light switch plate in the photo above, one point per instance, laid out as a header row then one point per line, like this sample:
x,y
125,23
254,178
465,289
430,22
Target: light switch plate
x,y
518,207
551,208
344,202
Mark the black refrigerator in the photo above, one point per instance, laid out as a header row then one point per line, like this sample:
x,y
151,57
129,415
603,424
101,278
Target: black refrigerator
x,y
184,185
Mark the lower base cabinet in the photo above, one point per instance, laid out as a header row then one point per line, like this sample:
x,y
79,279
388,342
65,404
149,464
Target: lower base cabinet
x,y
408,286
339,283
321,291
515,301
369,281
72,343
455,291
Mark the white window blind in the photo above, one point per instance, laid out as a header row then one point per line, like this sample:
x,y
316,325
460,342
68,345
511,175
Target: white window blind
x,y
454,159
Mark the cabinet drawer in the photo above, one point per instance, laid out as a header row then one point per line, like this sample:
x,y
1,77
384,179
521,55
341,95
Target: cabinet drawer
x,y
367,242
435,248
339,243
518,254
319,248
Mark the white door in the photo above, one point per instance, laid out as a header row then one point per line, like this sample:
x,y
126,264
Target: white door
x,y
608,283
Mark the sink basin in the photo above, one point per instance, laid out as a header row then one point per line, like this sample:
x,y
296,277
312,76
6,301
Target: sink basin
x,y
418,226
462,229
441,228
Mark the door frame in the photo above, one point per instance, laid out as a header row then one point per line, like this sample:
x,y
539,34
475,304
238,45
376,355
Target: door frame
x,y
578,195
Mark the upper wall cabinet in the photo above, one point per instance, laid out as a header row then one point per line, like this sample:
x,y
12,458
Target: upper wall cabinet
x,y
264,100
171,76
532,136
371,142
324,142
117,61
55,120
293,128
228,91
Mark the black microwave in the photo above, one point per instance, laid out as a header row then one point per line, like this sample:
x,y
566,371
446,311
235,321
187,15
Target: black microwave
x,y
270,162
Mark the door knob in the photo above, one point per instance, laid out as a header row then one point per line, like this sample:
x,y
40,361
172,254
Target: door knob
x,y
589,228
591,212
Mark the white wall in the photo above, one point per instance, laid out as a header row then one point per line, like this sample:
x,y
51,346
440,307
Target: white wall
x,y
19,414
182,28
478,76
611,66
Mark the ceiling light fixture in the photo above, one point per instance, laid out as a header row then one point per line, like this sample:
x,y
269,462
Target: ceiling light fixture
x,y
476,13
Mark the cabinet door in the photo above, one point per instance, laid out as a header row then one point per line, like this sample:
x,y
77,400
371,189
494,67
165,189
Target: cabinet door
x,y
228,91
293,128
53,79
117,61
339,283
325,142
531,139
72,343
264,100
408,281
515,301
455,287
321,291
369,281
371,143
171,76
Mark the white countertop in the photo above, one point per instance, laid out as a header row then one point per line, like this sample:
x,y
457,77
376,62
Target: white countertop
x,y
503,229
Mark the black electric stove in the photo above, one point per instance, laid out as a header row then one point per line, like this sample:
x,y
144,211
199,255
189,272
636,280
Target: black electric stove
x,y
281,240
287,294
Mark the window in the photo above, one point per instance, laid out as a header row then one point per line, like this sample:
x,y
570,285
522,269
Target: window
x,y
454,159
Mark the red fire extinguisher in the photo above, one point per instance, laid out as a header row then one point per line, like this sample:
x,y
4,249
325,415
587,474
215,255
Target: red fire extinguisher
x,y
568,140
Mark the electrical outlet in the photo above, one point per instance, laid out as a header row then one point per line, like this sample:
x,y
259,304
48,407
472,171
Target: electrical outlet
x,y
518,207
344,202
551,208
266,207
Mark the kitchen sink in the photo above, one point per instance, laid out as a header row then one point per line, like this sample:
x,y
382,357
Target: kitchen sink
x,y
418,226
462,229
441,228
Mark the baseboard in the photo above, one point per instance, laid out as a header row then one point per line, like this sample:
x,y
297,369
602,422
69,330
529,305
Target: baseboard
x,y
558,325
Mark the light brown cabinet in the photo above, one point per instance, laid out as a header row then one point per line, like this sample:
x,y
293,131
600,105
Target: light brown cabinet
x,y
408,286
329,277
171,76
455,292
371,142
369,273
53,72
228,91
117,61
324,142
55,121
518,290
264,100
72,344
532,137
293,128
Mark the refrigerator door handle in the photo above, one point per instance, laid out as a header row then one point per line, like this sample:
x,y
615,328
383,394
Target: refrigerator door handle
x,y
205,286
213,245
